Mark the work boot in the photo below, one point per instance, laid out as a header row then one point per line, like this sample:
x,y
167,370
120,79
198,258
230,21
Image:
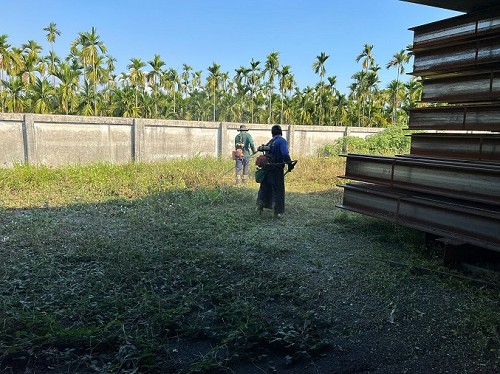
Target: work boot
x,y
238,179
245,179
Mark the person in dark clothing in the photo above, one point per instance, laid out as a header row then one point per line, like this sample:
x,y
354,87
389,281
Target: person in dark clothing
x,y
271,193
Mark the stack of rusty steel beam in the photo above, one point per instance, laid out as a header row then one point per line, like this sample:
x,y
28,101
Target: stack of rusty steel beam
x,y
449,184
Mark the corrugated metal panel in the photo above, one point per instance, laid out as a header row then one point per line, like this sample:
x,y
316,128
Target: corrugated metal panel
x,y
477,182
468,88
455,30
472,223
459,146
471,55
479,118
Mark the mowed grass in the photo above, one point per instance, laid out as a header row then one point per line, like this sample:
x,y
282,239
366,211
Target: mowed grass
x,y
168,268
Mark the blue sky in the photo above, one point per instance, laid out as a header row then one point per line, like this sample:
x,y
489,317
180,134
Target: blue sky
x,y
229,32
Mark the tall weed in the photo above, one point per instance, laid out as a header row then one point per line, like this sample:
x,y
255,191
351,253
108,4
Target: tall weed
x,y
391,141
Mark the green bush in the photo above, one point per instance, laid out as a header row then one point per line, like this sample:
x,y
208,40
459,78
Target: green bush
x,y
346,144
392,140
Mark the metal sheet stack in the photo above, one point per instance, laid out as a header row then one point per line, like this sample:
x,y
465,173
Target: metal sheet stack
x,y
449,184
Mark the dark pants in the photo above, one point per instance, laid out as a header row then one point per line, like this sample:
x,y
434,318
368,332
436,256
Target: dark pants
x,y
272,191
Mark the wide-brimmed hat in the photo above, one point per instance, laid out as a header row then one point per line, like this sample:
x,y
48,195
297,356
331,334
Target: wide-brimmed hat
x,y
243,128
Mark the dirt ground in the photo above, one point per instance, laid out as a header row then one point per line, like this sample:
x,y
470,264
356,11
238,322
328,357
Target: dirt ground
x,y
384,308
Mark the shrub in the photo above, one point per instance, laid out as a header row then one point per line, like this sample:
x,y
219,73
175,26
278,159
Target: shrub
x,y
346,144
390,141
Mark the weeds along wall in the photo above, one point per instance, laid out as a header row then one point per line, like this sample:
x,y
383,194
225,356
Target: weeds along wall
x,y
55,140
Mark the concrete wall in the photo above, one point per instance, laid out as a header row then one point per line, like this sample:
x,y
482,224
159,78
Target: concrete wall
x,y
55,140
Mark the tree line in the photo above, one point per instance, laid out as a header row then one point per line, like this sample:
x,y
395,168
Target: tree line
x,y
85,82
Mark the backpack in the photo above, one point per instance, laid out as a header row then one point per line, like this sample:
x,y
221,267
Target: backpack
x,y
240,144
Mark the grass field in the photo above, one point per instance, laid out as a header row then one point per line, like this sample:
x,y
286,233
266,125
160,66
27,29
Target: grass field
x,y
168,268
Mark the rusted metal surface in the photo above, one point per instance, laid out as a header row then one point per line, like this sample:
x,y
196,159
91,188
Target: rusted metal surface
x,y
475,54
440,159
458,5
460,117
457,146
473,181
472,223
463,89
455,30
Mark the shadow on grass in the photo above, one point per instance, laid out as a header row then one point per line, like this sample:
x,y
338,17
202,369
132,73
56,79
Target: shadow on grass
x,y
197,281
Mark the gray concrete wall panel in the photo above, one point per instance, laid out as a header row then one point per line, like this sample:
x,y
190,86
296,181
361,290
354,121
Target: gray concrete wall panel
x,y
63,143
171,142
11,142
55,140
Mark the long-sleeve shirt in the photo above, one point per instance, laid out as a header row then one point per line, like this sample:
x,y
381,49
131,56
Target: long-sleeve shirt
x,y
279,150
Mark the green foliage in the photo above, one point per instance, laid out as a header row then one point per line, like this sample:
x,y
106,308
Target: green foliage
x,y
345,144
390,141
29,84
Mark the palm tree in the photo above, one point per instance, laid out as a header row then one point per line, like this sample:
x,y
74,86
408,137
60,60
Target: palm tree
x,y
123,102
15,98
110,68
31,63
242,83
5,59
67,90
398,60
29,68
99,75
341,105
372,81
254,81
367,57
156,65
368,61
52,59
306,105
170,80
286,83
196,81
42,96
241,75
359,90
332,81
184,85
319,68
91,45
213,82
4,55
136,75
32,49
271,67
185,75
414,87
395,90
16,61
154,77
52,32
86,99
224,82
